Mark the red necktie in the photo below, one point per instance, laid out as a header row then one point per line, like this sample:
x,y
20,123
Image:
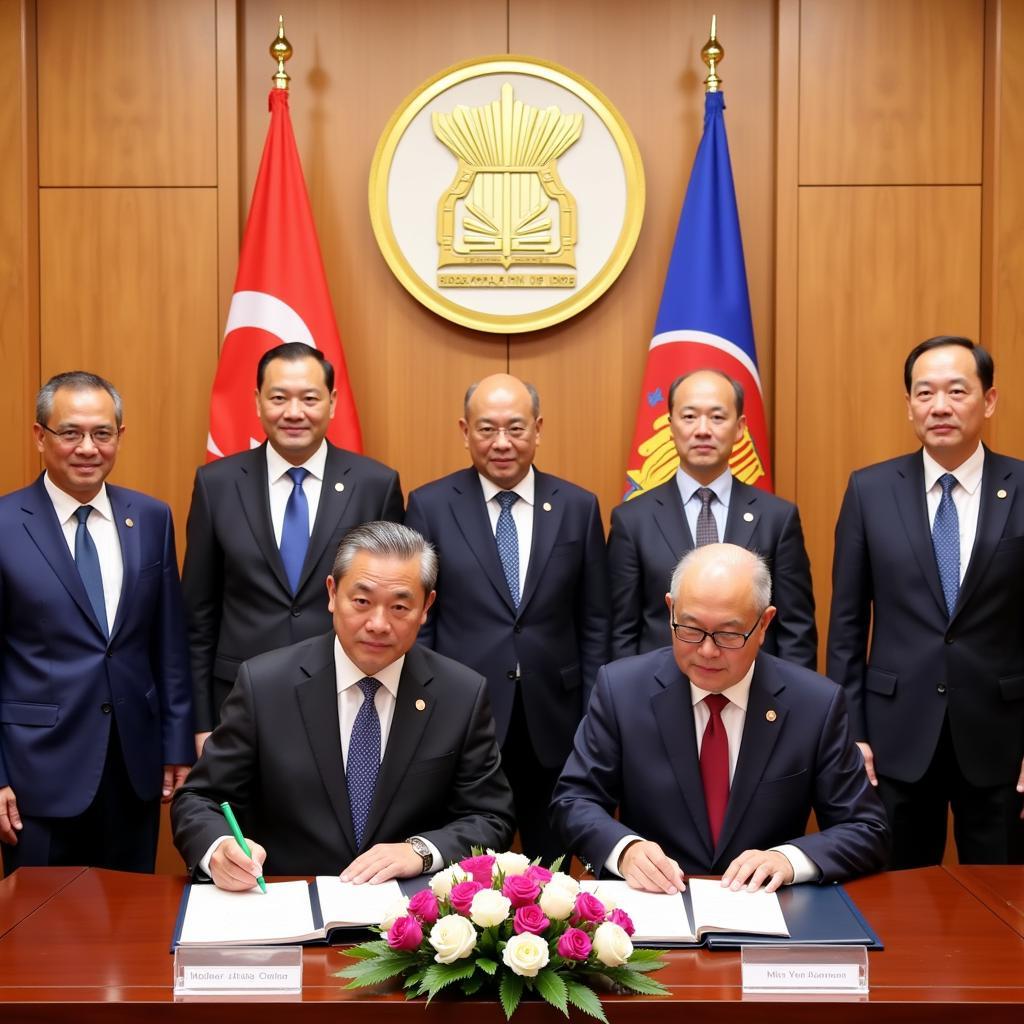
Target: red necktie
x,y
714,764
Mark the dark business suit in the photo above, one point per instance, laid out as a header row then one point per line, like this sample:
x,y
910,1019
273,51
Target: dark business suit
x,y
237,597
65,690
649,535
558,637
636,750
932,681
276,757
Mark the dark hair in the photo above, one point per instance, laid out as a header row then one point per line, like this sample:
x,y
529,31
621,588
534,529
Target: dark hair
x,y
293,352
982,360
75,380
388,540
737,388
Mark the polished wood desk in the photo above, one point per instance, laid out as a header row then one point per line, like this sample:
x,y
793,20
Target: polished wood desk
x,y
90,945
999,887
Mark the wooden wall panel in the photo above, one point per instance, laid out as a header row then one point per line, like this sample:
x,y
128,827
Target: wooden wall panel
x,y
647,61
126,92
890,91
129,291
880,269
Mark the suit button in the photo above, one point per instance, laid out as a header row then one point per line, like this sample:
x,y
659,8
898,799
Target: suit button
x,y
941,688
517,628
949,639
110,653
106,707
296,612
510,674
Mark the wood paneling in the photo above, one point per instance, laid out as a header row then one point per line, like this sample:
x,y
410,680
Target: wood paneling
x,y
129,291
126,92
880,269
890,91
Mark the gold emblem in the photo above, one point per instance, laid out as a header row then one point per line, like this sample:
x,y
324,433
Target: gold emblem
x,y
421,705
547,506
339,487
1000,493
129,523
770,715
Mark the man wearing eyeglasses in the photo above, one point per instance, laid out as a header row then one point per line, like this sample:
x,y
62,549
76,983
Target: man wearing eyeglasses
x,y
715,753
95,695
522,595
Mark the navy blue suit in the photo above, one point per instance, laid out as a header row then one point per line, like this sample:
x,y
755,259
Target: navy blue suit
x,y
63,684
636,750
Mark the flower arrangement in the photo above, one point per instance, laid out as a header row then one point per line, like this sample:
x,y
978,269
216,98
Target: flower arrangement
x,y
496,919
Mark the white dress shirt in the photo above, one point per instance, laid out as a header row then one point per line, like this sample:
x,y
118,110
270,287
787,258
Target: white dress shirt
x,y
722,486
966,497
281,486
522,516
103,531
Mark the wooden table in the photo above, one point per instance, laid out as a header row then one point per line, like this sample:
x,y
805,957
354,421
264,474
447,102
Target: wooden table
x,y
91,945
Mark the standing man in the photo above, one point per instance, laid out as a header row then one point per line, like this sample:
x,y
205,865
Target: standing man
x,y
702,504
95,699
522,593
264,525
929,563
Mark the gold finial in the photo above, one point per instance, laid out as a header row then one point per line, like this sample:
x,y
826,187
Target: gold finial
x,y
281,50
712,55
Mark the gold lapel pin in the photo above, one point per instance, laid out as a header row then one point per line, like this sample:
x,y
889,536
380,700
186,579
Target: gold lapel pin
x,y
547,506
770,715
748,517
421,705
129,523
1000,493
339,487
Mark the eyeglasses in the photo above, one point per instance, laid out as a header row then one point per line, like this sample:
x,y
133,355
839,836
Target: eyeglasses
x,y
517,432
723,638
100,437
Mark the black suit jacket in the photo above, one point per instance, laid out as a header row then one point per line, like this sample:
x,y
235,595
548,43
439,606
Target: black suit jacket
x,y
276,757
923,665
237,597
558,636
650,534
636,749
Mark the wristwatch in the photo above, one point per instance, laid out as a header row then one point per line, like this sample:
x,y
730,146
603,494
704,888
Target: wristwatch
x,y
423,850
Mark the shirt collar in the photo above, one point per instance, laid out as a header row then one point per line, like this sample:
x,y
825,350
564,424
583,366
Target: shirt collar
x,y
526,488
721,485
278,465
968,473
65,506
347,673
738,693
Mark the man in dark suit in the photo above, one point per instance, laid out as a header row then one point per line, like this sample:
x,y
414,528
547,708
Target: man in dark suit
x,y
264,525
95,699
522,594
929,563
715,754
355,751
704,502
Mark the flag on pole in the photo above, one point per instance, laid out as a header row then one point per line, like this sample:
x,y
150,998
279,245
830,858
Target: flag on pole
x,y
704,320
280,295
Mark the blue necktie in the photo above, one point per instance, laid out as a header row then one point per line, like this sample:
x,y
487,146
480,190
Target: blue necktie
x,y
946,541
508,542
363,758
295,531
88,561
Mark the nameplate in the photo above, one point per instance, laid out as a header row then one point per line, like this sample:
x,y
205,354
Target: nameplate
x,y
237,970
809,970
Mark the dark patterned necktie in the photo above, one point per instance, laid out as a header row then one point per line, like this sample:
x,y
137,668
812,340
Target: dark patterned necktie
x,y
295,531
714,764
88,561
707,528
508,542
363,758
946,541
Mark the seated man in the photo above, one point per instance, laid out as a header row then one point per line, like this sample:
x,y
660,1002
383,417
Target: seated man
x,y
715,753
355,751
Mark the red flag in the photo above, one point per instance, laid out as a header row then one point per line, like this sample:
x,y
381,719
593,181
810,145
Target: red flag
x,y
280,295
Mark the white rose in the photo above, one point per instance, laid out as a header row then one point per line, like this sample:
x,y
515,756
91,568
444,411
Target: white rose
x,y
441,884
396,908
557,902
563,881
611,945
511,863
526,954
454,938
489,908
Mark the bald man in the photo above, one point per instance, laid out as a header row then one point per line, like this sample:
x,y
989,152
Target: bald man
x,y
522,595
715,753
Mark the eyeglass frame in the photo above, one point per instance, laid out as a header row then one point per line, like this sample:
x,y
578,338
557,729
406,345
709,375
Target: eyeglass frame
x,y
507,431
84,434
705,633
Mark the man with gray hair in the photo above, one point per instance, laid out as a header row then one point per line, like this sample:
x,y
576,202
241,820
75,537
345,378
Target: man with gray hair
x,y
356,751
715,753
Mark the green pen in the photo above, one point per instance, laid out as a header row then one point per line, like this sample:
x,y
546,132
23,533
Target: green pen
x,y
240,839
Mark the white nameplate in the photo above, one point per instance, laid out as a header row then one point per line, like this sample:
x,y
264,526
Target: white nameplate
x,y
237,970
235,979
805,969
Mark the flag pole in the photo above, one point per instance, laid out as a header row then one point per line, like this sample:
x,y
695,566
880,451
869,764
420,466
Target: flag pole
x,y
712,54
281,50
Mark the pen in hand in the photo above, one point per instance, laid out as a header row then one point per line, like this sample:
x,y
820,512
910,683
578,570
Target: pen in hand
x,y
229,816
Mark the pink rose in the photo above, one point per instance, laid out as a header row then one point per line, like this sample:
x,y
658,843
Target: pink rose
x,y
530,919
621,918
424,906
520,890
480,868
574,944
539,874
588,908
405,934
461,896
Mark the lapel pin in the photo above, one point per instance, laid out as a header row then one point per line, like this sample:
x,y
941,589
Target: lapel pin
x,y
1000,493
770,715
748,517
547,506
421,705
129,523
339,487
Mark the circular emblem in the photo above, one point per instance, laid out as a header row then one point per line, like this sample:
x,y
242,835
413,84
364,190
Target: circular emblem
x,y
506,194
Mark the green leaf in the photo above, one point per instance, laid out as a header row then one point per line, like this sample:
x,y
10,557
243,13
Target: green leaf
x,y
552,989
635,981
584,998
487,966
412,980
372,972
366,950
510,991
556,864
472,985
438,976
639,956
